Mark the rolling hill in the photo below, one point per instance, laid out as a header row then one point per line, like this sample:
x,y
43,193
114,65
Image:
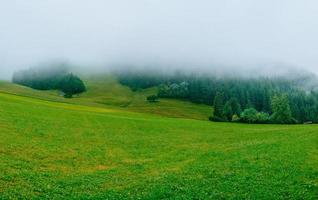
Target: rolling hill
x,y
104,91
110,143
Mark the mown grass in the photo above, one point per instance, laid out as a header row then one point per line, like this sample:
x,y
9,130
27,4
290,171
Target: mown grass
x,y
66,151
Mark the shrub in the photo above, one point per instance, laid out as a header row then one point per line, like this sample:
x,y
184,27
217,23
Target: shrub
x,y
249,115
217,119
235,118
262,118
152,98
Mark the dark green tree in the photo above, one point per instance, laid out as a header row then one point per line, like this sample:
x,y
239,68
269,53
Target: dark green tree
x,y
228,111
218,105
232,107
70,85
266,107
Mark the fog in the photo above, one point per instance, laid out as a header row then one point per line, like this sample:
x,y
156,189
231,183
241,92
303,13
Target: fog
x,y
228,35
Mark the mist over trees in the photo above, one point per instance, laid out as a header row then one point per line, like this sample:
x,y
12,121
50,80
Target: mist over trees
x,y
251,100
41,78
50,78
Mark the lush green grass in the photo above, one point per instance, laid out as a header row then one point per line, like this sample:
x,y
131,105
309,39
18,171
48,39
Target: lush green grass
x,y
64,151
104,91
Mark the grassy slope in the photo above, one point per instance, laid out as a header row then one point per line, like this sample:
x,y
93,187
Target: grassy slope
x,y
58,150
104,91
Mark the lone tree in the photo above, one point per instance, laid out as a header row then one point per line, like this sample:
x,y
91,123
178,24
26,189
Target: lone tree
x,y
152,98
70,85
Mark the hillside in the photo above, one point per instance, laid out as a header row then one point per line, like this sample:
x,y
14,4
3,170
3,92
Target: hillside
x,y
104,91
62,151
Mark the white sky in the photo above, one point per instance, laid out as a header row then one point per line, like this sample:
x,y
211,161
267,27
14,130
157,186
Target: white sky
x,y
236,33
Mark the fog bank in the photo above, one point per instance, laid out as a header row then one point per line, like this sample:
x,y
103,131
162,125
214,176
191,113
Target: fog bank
x,y
225,36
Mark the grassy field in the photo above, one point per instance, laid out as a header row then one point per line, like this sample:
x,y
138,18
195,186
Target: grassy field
x,y
108,144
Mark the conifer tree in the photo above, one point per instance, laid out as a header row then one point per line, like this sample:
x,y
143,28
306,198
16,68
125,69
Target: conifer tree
x,y
218,105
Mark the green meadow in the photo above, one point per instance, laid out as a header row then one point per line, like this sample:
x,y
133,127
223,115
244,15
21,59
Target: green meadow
x,y
110,143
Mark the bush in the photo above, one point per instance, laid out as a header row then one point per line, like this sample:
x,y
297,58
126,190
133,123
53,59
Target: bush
x,y
153,98
273,120
217,119
262,118
68,96
249,115
235,118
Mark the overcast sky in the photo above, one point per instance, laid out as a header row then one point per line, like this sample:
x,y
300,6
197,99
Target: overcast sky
x,y
236,33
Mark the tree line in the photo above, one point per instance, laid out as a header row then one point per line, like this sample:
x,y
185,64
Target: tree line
x,y
50,78
250,100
